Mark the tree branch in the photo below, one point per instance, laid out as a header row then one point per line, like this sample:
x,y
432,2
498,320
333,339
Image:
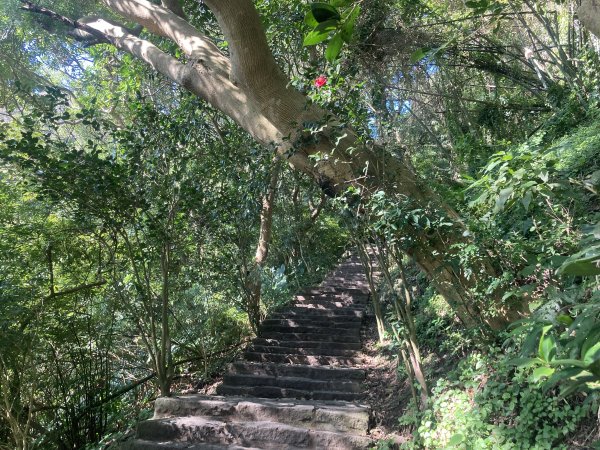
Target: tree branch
x,y
161,21
175,7
86,32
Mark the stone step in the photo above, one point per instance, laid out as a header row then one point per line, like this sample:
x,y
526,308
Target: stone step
x,y
322,318
279,326
312,360
305,344
301,351
296,383
142,444
331,296
322,294
323,337
344,281
261,434
324,300
315,322
295,370
356,300
334,290
348,288
328,306
326,416
342,313
280,392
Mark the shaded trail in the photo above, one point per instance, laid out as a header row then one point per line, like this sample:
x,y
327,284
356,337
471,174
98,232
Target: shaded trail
x,y
297,386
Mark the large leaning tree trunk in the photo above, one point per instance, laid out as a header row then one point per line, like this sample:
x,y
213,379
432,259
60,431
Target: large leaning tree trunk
x,y
250,88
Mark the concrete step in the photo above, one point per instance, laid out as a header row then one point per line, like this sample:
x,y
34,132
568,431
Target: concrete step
x,y
323,337
260,434
305,344
294,370
312,360
296,383
301,351
280,392
325,416
283,326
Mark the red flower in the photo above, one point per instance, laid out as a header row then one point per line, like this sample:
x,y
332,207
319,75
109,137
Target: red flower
x,y
321,81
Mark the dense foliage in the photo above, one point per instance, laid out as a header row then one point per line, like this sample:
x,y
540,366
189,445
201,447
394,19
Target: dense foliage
x,y
130,213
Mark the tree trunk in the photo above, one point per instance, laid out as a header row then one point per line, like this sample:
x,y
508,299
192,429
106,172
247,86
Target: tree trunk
x,y
254,282
589,15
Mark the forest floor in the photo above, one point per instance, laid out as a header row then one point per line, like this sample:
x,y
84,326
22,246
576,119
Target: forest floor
x,y
387,392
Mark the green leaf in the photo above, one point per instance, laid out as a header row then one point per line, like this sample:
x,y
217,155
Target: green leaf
x,y
547,346
320,33
419,54
340,3
568,362
592,353
349,22
456,439
541,372
565,319
528,270
584,263
309,19
524,362
322,12
503,198
334,47
526,200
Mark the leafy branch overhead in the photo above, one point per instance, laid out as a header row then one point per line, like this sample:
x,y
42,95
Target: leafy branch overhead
x,y
334,21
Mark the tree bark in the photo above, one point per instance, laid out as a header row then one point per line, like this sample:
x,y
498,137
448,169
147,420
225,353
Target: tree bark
x,y
589,15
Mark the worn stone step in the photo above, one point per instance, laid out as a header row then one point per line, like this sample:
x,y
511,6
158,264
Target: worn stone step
x,y
301,351
341,313
261,434
317,345
349,288
322,337
328,304
142,444
315,322
315,302
315,315
325,295
294,370
333,296
335,307
296,383
279,326
332,302
313,360
317,415
334,290
344,281
281,392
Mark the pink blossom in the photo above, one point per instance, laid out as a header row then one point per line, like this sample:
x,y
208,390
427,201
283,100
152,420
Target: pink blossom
x,y
320,81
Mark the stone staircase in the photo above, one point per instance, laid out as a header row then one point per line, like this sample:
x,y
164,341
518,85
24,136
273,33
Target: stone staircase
x,y
297,386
